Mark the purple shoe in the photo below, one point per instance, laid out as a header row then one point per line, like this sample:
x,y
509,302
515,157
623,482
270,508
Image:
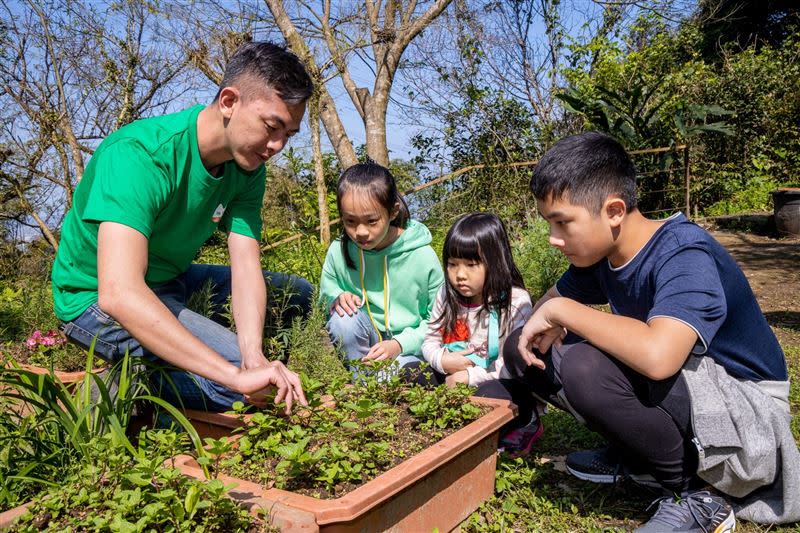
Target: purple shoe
x,y
518,442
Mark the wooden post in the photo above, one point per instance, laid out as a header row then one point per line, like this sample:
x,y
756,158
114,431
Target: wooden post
x,y
687,179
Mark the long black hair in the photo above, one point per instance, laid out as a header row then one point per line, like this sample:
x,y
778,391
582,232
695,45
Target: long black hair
x,y
480,237
379,184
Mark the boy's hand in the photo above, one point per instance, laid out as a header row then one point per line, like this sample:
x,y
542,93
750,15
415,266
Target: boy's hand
x,y
453,362
540,332
347,302
384,350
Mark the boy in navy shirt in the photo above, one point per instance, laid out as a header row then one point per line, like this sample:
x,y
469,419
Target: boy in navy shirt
x,y
675,294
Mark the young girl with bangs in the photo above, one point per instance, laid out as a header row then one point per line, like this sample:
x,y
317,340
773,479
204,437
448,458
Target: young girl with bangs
x,y
381,276
482,301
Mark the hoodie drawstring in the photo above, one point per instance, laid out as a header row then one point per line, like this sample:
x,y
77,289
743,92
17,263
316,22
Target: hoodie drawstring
x,y
386,289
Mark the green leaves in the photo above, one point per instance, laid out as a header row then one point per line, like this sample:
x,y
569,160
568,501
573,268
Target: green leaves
x,y
372,426
118,491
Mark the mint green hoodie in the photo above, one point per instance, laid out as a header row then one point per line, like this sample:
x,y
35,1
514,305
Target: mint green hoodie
x,y
414,275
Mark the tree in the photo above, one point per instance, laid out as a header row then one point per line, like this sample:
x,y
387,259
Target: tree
x,y
64,100
744,23
374,33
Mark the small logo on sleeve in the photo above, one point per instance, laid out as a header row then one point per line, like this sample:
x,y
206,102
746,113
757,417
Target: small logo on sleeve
x,y
218,212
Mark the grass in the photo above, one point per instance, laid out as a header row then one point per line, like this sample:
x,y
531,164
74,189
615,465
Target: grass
x,y
533,493
536,494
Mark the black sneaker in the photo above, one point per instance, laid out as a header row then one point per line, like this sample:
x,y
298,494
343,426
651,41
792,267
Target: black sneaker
x,y
700,512
603,466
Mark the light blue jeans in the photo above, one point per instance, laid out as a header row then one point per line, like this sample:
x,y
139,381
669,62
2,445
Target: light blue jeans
x,y
356,335
179,387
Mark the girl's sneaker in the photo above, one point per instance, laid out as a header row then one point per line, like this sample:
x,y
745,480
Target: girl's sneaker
x,y
518,442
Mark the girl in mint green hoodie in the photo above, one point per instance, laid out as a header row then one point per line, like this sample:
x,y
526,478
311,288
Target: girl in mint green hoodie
x,y
381,277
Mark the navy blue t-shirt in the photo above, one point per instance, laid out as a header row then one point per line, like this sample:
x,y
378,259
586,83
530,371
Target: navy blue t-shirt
x,y
685,274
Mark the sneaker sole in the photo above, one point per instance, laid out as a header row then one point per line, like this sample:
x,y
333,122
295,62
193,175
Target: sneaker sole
x,y
728,525
608,479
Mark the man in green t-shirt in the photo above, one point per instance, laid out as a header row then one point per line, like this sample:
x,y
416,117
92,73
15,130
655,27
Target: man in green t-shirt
x,y
152,193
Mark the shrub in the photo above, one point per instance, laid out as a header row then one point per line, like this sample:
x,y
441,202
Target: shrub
x,y
117,491
540,264
311,351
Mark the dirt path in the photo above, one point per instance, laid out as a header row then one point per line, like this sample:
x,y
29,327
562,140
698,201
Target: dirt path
x,y
773,268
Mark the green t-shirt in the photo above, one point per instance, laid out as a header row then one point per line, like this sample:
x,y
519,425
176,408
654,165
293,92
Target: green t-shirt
x,y
149,176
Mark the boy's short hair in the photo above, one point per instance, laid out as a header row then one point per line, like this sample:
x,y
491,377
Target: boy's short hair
x,y
267,64
586,169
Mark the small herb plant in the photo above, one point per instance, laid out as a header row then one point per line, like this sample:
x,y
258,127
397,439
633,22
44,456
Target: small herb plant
x,y
344,438
117,491
311,351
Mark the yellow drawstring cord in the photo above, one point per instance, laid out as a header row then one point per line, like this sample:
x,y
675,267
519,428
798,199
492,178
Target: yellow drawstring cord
x,y
385,295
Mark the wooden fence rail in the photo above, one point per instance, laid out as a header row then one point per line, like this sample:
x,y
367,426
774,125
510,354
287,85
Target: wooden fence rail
x,y
453,175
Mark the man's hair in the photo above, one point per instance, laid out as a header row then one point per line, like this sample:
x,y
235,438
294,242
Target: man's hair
x,y
274,66
585,169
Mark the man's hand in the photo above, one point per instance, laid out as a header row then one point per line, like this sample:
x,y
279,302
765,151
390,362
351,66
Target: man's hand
x,y
257,384
453,362
540,332
347,302
384,350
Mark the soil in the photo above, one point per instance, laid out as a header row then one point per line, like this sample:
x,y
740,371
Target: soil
x,y
772,267
408,441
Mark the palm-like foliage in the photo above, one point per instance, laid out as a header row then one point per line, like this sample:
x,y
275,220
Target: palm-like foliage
x,y
45,426
637,115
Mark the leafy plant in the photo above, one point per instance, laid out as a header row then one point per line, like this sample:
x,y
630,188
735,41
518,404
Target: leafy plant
x,y
31,454
11,305
64,423
114,490
347,436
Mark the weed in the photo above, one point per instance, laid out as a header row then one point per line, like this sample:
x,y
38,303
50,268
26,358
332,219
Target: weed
x,y
118,491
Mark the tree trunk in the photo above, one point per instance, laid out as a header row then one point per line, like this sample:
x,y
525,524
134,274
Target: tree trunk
x,y
46,232
319,172
335,130
327,108
375,122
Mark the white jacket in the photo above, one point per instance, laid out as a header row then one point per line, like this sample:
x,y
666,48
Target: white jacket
x,y
519,312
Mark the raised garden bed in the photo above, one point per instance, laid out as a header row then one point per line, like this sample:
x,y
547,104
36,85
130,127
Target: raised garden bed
x,y
436,488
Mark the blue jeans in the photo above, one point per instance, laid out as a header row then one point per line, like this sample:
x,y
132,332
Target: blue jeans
x,y
183,388
356,335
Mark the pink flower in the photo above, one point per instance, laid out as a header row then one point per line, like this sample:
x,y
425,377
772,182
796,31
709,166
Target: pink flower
x,y
31,342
